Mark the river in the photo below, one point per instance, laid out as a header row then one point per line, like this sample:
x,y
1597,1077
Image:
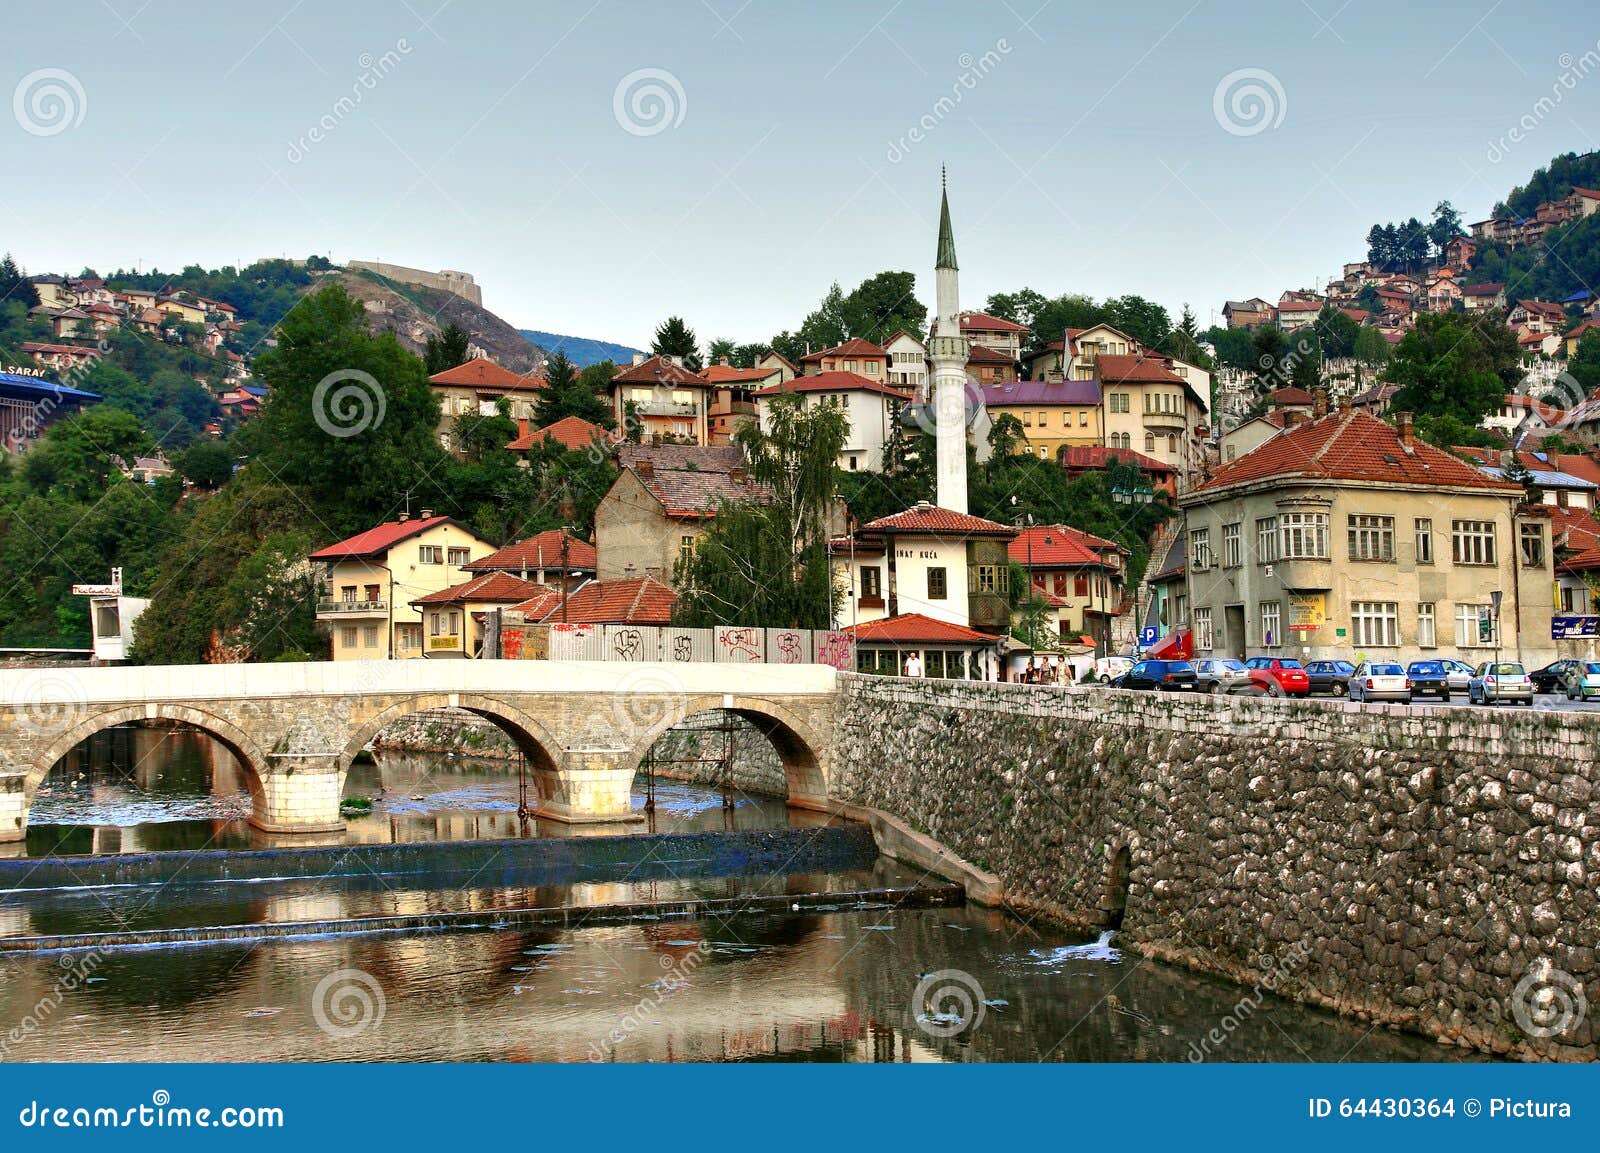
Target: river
x,y
852,982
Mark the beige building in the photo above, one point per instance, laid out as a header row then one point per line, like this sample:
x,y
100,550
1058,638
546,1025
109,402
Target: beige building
x,y
1150,409
664,499
371,579
666,402
1347,537
478,386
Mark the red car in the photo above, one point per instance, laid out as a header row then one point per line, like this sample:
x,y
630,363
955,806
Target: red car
x,y
1279,676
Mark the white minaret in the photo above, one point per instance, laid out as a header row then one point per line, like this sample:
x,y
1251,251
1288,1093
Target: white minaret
x,y
948,351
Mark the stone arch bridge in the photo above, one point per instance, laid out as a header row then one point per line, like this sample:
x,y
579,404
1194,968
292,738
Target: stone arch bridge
x,y
295,728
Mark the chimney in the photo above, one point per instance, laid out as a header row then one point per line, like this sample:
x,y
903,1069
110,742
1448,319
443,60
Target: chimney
x,y
1344,405
522,426
639,358
427,513
1408,435
403,517
1319,404
645,468
1294,418
725,362
736,474
923,506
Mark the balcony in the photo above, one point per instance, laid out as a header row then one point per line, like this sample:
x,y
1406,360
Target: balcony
x,y
664,408
1165,420
351,608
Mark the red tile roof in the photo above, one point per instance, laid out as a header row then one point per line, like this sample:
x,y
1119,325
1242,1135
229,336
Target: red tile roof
x,y
1060,546
983,354
631,601
1289,395
1487,288
485,373
1543,308
853,347
983,322
1573,528
1134,369
728,374
1086,456
1359,315
542,551
379,539
832,382
488,588
541,605
1350,446
912,628
657,369
571,432
935,521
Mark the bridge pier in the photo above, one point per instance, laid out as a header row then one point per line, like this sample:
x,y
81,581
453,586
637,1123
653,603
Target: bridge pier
x,y
588,786
13,807
299,794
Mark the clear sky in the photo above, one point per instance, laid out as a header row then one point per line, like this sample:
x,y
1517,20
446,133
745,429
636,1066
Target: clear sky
x,y
1089,148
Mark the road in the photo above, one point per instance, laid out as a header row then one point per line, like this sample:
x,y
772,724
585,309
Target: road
x,y
1552,702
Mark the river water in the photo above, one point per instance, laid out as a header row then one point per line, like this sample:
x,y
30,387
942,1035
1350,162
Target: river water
x,y
846,983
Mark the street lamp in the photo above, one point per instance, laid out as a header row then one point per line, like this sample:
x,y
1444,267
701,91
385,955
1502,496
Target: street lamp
x,y
1018,518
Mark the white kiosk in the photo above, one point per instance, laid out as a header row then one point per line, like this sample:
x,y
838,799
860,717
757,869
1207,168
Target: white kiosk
x,y
111,618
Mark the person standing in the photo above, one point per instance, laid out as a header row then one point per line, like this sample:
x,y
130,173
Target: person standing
x,y
914,665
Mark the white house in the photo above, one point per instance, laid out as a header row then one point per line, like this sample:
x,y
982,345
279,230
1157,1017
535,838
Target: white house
x,y
870,408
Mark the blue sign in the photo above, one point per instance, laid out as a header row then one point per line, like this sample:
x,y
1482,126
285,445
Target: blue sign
x,y
1149,635
1564,627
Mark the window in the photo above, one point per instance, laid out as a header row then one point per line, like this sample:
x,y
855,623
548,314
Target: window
x,y
1080,584
347,637
410,636
459,556
455,623
1083,419
870,587
347,593
1303,535
1472,541
1043,419
369,637
989,578
1375,624
1271,624
1202,629
686,548
1530,539
1200,549
373,593
1371,537
1027,419
1149,442
938,586
1266,540
1232,545
430,554
1476,627
435,624
1424,531
1427,635
1119,402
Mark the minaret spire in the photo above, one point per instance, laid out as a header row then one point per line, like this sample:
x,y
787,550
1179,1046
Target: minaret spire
x,y
948,351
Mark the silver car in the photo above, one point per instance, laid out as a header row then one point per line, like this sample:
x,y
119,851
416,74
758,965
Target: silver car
x,y
1459,672
1379,681
1497,681
1221,675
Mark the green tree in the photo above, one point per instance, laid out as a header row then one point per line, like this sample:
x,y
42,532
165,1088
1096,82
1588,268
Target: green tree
x,y
560,377
764,561
14,286
720,350
81,456
884,304
1455,364
206,465
446,349
1371,347
1337,333
1446,226
676,338
1144,320
1268,354
351,420
1585,362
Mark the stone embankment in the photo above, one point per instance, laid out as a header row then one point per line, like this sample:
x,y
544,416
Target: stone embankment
x,y
1427,869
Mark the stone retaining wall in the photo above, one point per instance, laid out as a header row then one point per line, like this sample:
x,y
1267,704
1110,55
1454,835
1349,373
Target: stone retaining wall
x,y
1431,869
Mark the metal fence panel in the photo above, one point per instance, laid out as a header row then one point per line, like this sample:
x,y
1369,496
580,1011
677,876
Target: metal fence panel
x,y
633,643
737,644
831,647
570,642
687,645
788,646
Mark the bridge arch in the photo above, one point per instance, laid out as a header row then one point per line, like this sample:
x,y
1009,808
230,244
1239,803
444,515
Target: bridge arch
x,y
796,740
244,747
537,743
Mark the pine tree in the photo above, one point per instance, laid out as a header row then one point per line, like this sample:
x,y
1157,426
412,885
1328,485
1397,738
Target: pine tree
x,y
676,338
446,349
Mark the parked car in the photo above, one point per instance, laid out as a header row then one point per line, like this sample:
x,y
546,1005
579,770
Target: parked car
x,y
1583,680
1379,681
1108,669
1459,672
1500,681
1279,676
1329,676
1552,678
1163,676
1221,675
1429,679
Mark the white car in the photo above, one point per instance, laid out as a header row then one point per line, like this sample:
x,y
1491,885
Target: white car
x,y
1379,681
1108,669
1221,675
1459,672
1583,680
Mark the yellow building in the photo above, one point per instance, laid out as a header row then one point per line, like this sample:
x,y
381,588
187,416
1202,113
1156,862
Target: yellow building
x,y
454,620
478,386
371,579
1053,414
